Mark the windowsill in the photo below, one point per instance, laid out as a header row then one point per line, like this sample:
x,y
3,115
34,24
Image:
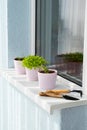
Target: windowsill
x,y
31,90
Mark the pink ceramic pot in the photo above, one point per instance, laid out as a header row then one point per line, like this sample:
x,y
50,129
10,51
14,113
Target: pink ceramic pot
x,y
32,75
18,67
47,81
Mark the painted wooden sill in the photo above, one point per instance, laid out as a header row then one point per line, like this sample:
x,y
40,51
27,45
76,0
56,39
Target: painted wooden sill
x,y
31,90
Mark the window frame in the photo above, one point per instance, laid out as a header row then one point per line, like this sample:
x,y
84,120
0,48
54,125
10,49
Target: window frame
x,y
33,35
32,26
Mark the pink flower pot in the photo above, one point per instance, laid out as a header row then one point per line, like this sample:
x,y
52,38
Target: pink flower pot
x,y
18,67
47,81
32,75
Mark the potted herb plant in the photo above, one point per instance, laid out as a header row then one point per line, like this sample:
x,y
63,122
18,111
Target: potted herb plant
x,y
47,78
18,65
36,69
33,64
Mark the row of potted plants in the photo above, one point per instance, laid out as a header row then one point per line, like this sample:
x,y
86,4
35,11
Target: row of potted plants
x,y
35,68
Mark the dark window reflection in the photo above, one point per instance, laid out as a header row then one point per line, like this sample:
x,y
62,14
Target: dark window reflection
x,y
60,35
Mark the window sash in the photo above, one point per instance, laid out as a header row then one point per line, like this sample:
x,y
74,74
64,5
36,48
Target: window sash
x,y
84,77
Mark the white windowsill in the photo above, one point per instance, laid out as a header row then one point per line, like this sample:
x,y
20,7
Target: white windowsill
x,y
31,90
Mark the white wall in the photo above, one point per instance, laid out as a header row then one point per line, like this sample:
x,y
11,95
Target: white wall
x,y
18,29
15,30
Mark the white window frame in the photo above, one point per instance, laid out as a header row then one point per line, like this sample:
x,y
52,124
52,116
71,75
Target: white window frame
x,y
84,81
32,26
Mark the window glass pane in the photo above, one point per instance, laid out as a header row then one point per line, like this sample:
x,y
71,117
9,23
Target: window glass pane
x,y
60,31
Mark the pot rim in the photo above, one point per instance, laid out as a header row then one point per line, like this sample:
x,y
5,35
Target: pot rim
x,y
54,71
